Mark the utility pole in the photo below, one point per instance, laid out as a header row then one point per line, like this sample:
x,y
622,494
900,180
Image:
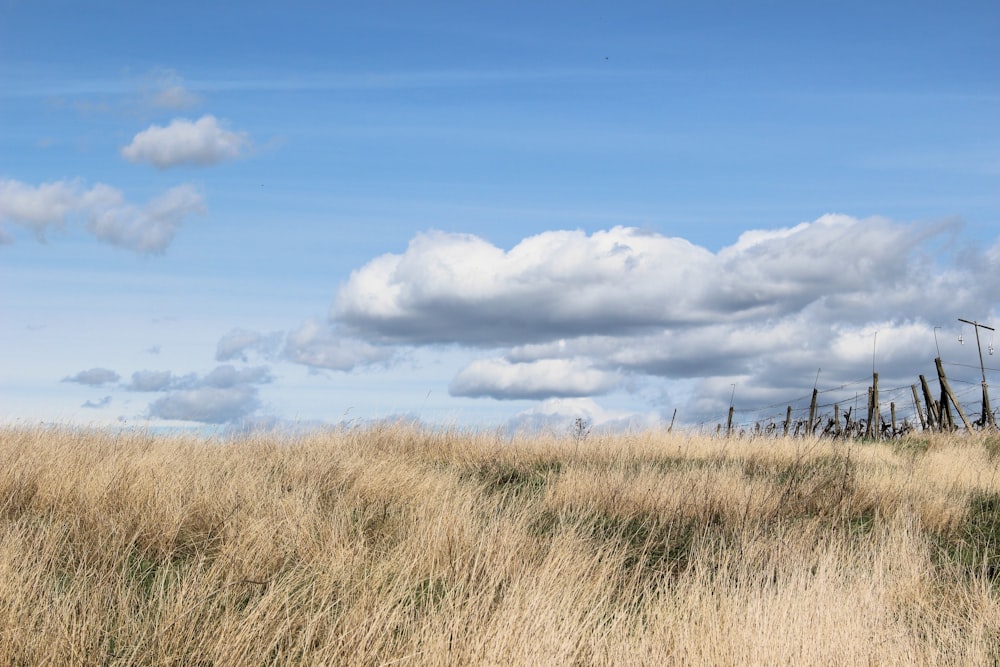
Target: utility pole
x,y
987,418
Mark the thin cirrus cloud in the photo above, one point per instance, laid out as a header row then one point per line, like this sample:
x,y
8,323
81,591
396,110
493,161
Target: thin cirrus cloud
x,y
105,212
572,314
203,142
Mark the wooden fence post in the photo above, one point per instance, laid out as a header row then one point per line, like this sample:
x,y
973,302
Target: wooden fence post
x,y
916,402
946,394
788,420
876,412
836,419
933,414
988,419
812,413
868,424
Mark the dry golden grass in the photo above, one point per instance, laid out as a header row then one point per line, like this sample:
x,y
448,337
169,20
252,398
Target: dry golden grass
x,y
399,546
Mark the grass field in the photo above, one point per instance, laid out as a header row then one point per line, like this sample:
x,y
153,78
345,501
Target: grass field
x,y
393,545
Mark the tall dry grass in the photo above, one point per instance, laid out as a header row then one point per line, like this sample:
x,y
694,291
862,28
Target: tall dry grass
x,y
394,545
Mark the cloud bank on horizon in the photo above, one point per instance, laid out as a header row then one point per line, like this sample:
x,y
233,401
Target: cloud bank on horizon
x,y
564,317
565,314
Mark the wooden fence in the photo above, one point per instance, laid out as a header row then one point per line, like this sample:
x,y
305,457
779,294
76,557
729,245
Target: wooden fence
x,y
936,411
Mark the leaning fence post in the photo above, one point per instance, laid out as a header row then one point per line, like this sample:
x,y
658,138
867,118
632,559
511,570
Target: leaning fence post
x,y
916,402
933,414
946,394
788,420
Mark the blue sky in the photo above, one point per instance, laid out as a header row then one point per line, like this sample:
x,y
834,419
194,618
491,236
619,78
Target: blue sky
x,y
488,213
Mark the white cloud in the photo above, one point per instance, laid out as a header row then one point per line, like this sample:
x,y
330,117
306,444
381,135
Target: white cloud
x,y
579,315
38,207
150,381
318,345
108,216
460,288
202,142
225,394
148,229
543,378
210,405
94,377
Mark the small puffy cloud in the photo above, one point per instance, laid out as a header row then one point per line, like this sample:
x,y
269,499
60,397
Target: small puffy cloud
x,y
97,405
210,405
319,346
38,207
150,381
108,216
544,378
238,342
149,229
225,394
95,377
185,142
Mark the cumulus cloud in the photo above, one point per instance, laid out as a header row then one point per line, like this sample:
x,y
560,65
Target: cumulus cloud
x,y
95,377
38,207
203,142
565,314
319,346
210,405
148,229
150,381
108,216
542,378
225,394
460,288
